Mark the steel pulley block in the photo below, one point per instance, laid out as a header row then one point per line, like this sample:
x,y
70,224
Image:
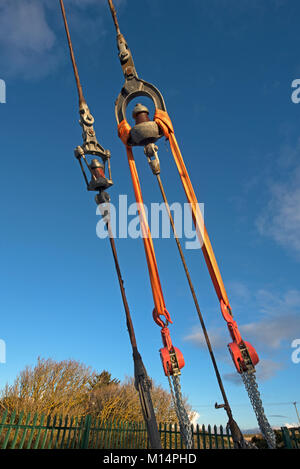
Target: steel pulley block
x,y
145,131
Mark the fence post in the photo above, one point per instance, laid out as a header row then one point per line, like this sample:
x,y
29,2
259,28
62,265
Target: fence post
x,y
286,438
86,432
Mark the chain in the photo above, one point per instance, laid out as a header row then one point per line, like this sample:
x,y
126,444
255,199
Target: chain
x,y
183,418
173,397
254,395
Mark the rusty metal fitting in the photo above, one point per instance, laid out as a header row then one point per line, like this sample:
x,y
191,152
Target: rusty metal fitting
x,y
85,115
102,198
78,152
124,53
150,151
96,164
98,181
97,168
140,113
145,131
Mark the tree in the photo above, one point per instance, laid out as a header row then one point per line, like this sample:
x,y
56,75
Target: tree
x,y
116,401
71,388
50,387
103,379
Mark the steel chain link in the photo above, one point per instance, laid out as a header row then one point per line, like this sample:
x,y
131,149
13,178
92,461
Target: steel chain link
x,y
181,412
250,383
174,401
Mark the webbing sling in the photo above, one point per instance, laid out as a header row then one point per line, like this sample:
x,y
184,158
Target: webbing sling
x,y
123,131
164,122
171,356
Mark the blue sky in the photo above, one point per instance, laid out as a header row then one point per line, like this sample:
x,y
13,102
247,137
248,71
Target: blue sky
x,y
225,69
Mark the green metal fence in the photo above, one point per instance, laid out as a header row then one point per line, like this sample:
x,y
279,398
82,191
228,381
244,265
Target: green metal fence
x,y
33,431
291,437
41,432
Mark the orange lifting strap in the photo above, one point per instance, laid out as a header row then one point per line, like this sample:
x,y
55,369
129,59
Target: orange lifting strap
x,y
243,354
159,302
164,122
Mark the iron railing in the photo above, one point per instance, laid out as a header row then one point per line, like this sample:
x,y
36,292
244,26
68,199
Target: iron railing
x,y
33,431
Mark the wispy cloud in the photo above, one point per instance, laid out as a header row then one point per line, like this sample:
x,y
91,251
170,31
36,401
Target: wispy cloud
x,y
277,325
217,338
30,31
27,43
240,290
272,333
280,220
291,425
265,370
275,304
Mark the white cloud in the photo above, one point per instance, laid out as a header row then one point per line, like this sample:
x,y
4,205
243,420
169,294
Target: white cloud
x,y
279,321
272,332
217,337
29,33
280,220
31,29
240,291
278,304
277,326
291,425
265,370
234,378
26,38
194,418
